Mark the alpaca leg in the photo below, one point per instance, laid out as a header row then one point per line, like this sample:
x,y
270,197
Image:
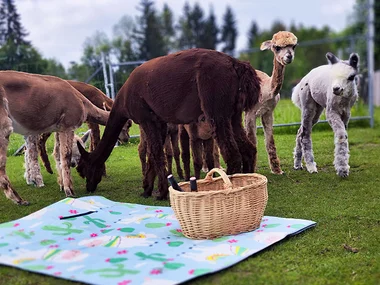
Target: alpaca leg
x,y
247,150
196,149
32,174
251,130
341,153
142,148
229,147
208,152
308,115
216,155
42,151
156,159
5,131
169,153
176,153
185,147
274,161
65,150
94,135
298,151
57,157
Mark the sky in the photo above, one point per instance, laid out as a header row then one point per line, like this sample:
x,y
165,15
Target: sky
x,y
59,28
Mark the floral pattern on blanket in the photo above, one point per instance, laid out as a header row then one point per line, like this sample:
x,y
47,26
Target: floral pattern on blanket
x,y
97,241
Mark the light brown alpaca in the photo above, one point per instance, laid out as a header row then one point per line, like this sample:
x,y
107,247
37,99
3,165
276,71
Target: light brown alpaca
x,y
30,105
282,45
198,137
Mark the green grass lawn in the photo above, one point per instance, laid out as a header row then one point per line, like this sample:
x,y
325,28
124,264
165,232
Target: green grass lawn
x,y
347,211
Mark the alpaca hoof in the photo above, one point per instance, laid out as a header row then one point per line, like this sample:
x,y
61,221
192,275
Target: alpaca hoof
x,y
161,198
69,193
278,172
145,195
312,167
22,203
204,169
343,173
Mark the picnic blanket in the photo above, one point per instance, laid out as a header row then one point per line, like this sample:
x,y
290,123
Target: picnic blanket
x,y
98,241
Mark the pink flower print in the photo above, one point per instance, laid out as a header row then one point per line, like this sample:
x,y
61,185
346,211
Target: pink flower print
x,y
179,230
57,273
54,246
156,271
73,211
124,282
108,226
122,252
264,220
16,224
158,211
264,225
191,272
288,226
168,224
232,241
107,260
60,217
118,229
93,235
69,238
259,231
49,267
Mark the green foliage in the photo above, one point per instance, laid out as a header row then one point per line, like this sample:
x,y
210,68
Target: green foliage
x,y
229,31
346,211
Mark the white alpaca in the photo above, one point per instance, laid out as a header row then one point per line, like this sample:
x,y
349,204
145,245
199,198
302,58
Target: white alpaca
x,y
331,87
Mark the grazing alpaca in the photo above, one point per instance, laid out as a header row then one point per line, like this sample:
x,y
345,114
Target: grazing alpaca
x,y
100,100
177,89
170,146
29,105
331,87
282,45
198,137
33,174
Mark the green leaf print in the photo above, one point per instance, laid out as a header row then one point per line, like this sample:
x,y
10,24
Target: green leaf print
x,y
269,226
297,226
173,265
119,271
47,242
177,233
62,231
200,271
115,213
155,225
6,225
220,239
127,230
3,244
175,243
35,267
117,260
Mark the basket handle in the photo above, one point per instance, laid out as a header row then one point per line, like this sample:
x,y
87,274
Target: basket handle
x,y
226,180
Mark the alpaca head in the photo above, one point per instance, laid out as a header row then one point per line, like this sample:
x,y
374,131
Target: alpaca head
x,y
282,45
75,156
343,74
204,127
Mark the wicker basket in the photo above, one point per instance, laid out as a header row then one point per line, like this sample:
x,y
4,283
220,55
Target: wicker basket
x,y
226,205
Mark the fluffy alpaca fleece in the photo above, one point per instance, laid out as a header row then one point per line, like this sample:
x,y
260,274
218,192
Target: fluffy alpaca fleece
x,y
282,45
331,87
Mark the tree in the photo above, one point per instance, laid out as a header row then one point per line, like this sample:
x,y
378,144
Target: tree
x,y
209,38
168,31
149,32
253,34
11,29
186,38
229,32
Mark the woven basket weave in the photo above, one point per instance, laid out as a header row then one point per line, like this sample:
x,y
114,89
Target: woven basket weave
x,y
226,205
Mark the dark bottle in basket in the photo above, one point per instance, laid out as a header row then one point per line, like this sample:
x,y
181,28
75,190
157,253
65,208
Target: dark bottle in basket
x,y
193,184
174,183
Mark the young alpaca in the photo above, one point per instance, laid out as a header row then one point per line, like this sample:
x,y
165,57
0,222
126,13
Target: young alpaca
x,y
331,87
198,137
282,45
29,105
156,93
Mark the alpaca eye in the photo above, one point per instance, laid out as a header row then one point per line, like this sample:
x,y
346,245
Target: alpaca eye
x,y
277,48
203,119
294,47
351,78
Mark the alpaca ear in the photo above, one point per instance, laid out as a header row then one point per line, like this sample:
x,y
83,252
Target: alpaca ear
x,y
266,45
354,60
331,58
85,136
84,154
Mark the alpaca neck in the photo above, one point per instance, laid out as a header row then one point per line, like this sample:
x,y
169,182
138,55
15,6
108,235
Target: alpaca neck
x,y
277,77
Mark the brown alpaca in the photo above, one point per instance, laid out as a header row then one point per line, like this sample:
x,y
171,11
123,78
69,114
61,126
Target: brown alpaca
x,y
282,45
100,100
171,148
198,137
30,105
177,89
